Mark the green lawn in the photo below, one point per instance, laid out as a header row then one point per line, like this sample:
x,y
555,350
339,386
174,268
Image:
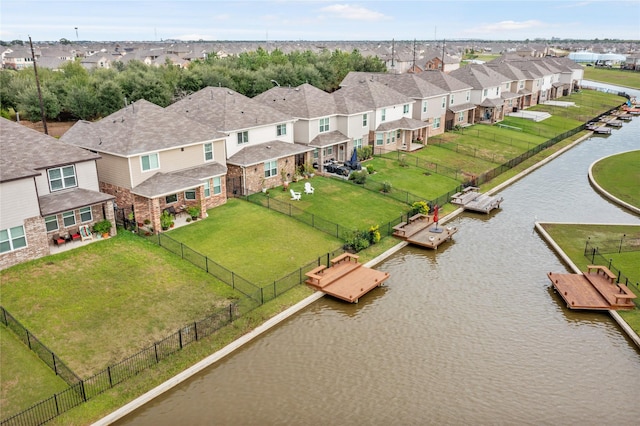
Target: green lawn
x,y
613,76
24,378
260,245
620,176
572,239
363,209
97,304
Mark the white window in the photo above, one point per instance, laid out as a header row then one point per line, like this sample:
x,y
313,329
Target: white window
x,y
170,199
405,109
468,95
12,239
451,100
460,116
316,152
379,138
506,86
444,101
485,92
436,123
497,91
217,185
281,129
207,189
521,85
150,162
357,143
383,114
69,218
324,125
62,178
51,223
270,168
243,137
85,214
424,106
365,119
190,194
327,151
208,151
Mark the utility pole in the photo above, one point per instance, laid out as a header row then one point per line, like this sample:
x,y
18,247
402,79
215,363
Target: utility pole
x,y
35,70
443,41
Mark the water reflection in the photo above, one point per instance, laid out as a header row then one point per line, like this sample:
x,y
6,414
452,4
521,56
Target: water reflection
x,y
468,334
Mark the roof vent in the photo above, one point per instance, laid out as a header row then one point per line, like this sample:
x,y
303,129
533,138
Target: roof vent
x,y
268,146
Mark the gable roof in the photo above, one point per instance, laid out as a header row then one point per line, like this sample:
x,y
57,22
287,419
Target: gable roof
x,y
226,110
138,128
408,84
371,93
444,81
24,151
304,101
479,76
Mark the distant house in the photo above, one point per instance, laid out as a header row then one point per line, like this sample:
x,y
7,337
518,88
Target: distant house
x,y
48,189
19,58
331,128
391,126
98,60
486,93
460,111
154,159
258,139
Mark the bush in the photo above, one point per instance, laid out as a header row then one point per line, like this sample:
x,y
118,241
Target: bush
x,y
402,161
370,168
364,153
356,240
374,234
386,186
359,177
420,207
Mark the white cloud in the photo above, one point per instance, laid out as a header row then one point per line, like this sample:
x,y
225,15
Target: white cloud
x,y
354,13
506,26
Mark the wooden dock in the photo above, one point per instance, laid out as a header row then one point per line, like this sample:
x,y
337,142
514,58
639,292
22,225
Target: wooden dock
x,y
471,199
422,231
598,128
345,279
595,290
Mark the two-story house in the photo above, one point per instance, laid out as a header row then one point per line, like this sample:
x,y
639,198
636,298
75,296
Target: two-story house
x,y
48,189
259,140
391,126
459,108
514,91
155,160
332,129
486,94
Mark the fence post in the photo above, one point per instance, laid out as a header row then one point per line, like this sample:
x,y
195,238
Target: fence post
x,y
55,398
28,339
180,337
621,239
55,367
610,260
155,348
82,391
4,316
593,255
206,264
182,250
195,329
109,374
230,311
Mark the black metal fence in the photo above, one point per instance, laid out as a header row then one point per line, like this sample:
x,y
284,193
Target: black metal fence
x,y
595,256
81,391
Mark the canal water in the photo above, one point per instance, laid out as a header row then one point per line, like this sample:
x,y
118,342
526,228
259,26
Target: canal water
x,y
468,334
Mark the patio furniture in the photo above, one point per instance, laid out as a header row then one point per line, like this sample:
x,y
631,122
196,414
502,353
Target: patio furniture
x,y
295,195
85,233
58,240
308,189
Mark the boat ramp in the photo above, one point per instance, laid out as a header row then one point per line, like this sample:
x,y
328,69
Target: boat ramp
x,y
346,278
471,199
422,230
595,290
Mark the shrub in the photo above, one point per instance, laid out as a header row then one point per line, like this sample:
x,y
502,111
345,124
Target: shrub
x,y
359,177
370,168
374,234
386,186
420,207
364,153
356,240
402,161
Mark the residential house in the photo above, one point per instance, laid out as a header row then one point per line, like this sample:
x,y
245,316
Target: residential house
x,y
487,86
154,160
392,126
435,59
259,139
98,60
514,91
19,58
460,111
48,190
333,129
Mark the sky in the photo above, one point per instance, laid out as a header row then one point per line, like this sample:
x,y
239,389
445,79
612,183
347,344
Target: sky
x,y
271,20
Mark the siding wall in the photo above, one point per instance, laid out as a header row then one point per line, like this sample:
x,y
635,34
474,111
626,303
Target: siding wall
x,y
21,191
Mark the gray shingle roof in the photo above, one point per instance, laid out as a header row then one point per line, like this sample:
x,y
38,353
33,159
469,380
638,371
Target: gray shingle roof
x,y
227,111
162,184
479,76
405,123
304,101
256,154
408,84
373,94
70,199
140,127
444,81
329,138
24,151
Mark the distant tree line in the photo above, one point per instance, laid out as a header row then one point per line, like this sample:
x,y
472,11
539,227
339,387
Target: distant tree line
x,y
74,92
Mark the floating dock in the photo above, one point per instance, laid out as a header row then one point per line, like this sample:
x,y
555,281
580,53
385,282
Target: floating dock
x,y
595,290
421,230
471,199
345,279
598,128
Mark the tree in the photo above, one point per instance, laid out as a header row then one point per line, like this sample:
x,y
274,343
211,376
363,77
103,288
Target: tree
x,y
29,104
81,102
110,98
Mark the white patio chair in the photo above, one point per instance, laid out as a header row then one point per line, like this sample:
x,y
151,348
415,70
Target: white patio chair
x,y
295,195
308,189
